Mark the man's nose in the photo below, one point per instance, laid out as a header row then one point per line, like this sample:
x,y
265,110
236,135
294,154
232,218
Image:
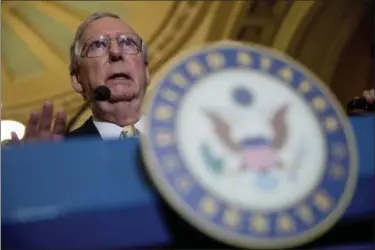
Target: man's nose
x,y
115,52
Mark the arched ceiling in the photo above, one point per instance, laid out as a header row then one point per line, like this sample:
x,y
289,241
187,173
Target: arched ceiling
x,y
36,36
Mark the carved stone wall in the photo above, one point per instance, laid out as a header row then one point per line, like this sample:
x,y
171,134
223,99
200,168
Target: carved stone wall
x,y
354,71
324,37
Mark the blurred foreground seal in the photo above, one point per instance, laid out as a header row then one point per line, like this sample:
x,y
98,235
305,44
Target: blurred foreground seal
x,y
249,146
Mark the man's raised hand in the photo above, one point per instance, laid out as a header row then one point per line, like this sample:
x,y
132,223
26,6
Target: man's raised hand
x,y
369,95
41,126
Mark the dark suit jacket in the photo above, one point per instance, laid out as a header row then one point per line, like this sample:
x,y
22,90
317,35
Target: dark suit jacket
x,y
87,129
184,236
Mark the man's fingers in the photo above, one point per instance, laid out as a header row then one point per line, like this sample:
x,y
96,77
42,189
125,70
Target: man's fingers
x,y
60,124
40,124
57,137
372,94
32,125
369,95
14,136
46,117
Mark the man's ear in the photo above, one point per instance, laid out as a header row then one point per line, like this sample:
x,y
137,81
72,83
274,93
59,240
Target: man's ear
x,y
76,83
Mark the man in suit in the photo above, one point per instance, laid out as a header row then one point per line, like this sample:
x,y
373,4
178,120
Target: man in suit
x,y
105,51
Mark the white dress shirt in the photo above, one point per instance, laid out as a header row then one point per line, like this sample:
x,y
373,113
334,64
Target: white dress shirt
x,y
112,131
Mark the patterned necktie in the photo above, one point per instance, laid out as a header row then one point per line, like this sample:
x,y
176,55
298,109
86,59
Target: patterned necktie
x,y
128,131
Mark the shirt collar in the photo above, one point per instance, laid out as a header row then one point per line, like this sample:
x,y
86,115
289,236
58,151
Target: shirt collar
x,y
112,131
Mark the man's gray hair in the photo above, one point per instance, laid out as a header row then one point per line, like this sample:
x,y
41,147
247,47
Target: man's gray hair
x,y
75,48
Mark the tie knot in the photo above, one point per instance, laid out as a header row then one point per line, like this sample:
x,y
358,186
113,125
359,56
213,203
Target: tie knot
x,y
128,131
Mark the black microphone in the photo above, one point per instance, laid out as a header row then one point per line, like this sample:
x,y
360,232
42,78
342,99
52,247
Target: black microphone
x,y
101,93
359,104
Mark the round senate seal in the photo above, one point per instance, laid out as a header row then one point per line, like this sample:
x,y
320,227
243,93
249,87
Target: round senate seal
x,y
249,147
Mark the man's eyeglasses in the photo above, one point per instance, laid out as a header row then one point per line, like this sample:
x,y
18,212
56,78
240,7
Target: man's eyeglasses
x,y
129,43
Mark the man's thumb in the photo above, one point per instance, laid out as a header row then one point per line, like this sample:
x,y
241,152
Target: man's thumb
x,y
14,136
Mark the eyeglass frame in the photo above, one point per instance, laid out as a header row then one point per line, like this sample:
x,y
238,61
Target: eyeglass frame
x,y
87,44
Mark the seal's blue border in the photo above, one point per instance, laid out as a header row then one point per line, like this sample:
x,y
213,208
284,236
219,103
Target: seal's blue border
x,y
335,188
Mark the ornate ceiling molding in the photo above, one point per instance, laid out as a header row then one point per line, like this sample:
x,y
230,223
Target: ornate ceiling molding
x,y
183,22
222,28
259,21
297,13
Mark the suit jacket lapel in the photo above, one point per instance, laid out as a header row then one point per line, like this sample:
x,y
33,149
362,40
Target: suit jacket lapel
x,y
87,129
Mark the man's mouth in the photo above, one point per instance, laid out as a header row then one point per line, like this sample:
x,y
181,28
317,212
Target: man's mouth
x,y
119,76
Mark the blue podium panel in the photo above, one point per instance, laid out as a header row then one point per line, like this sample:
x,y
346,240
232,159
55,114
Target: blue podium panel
x,y
369,246
79,194
363,202
91,194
